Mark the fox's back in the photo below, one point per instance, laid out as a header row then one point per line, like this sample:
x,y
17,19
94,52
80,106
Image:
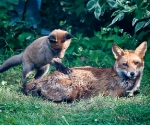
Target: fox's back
x,y
83,82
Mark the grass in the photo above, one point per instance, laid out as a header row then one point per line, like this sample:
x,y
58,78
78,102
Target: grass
x,y
18,109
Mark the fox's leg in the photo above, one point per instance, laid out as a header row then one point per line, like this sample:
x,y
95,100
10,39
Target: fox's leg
x,y
136,87
41,71
27,68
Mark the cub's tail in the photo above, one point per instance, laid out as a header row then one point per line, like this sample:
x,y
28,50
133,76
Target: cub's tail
x,y
10,62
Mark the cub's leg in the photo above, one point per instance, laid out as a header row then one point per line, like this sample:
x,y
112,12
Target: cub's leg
x,y
27,68
42,71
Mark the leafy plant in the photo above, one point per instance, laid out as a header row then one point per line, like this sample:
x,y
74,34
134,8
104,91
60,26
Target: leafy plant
x,y
15,34
96,51
137,12
138,8
97,6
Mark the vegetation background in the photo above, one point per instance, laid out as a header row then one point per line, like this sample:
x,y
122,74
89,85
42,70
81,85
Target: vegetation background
x,y
96,25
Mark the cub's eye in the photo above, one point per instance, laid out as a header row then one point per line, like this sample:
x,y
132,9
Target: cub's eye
x,y
136,63
52,41
124,64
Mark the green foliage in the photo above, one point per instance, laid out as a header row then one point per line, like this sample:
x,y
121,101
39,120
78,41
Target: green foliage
x,y
124,23
15,34
94,5
139,9
96,51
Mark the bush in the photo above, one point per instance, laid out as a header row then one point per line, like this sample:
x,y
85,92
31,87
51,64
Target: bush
x,y
96,24
16,33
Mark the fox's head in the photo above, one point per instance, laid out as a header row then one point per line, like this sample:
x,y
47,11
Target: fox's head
x,y
59,41
129,64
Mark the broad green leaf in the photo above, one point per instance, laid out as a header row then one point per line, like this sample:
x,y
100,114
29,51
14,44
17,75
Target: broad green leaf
x,y
70,50
115,13
139,13
147,23
129,9
79,10
137,1
117,18
134,21
133,8
91,5
139,25
116,29
62,23
86,38
97,11
141,35
112,3
117,39
11,45
25,35
103,8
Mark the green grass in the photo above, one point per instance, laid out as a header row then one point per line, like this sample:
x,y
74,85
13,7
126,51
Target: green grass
x,y
18,109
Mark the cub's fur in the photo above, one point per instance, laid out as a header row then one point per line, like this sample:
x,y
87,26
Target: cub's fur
x,y
123,79
40,53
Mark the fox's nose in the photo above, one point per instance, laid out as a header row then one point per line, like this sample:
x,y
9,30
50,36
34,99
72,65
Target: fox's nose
x,y
132,74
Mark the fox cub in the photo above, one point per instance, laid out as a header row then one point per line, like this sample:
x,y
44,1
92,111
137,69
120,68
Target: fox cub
x,y
123,79
40,53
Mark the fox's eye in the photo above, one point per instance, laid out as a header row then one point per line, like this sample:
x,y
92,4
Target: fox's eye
x,y
136,63
125,64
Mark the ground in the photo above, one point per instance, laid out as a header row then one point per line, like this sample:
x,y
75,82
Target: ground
x,y
19,109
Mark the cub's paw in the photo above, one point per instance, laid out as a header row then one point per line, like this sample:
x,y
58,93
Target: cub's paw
x,y
66,71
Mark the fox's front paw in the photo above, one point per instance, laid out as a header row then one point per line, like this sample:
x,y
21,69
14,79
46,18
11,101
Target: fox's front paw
x,y
136,92
133,93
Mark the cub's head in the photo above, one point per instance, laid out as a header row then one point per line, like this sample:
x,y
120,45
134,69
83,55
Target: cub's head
x,y
129,64
59,41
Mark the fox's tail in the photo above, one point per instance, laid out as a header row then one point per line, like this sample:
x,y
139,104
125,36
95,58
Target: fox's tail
x,y
12,61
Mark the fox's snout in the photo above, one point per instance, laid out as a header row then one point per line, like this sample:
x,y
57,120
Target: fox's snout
x,y
128,74
132,74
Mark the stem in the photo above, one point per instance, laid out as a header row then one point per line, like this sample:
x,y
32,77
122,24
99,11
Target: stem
x,y
25,9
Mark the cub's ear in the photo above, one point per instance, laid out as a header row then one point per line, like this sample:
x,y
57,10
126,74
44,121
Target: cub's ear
x,y
52,39
69,36
117,51
141,49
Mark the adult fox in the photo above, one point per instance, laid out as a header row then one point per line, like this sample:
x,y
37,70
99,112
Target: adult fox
x,y
123,79
40,53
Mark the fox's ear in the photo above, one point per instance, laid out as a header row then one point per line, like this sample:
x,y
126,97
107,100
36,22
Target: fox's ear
x,y
117,51
69,36
52,39
141,49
